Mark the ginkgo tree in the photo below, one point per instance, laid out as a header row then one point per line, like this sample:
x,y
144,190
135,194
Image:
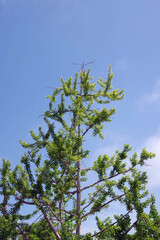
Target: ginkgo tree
x,y
50,174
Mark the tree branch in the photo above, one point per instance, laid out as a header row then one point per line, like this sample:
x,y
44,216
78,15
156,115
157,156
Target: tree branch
x,y
102,180
131,227
23,201
50,224
92,199
59,220
22,233
91,126
64,211
110,225
98,208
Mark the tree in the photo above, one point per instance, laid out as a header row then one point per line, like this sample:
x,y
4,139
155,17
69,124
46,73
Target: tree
x,y
52,176
9,209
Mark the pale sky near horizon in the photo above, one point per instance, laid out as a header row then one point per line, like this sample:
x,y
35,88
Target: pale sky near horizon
x,y
41,39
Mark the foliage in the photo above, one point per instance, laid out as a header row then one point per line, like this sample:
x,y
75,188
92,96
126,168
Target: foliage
x,y
50,175
8,227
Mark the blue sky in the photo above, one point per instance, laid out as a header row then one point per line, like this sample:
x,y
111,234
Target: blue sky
x,y
39,41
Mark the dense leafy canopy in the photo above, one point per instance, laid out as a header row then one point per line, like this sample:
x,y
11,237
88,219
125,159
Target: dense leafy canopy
x,y
49,176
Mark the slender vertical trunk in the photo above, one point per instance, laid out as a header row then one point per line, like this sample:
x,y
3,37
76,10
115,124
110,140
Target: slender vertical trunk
x,y
5,203
78,230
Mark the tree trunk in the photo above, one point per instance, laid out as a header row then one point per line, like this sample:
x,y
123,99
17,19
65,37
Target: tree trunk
x,y
78,231
51,225
5,203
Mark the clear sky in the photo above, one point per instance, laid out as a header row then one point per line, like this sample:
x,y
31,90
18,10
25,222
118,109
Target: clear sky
x,y
41,39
